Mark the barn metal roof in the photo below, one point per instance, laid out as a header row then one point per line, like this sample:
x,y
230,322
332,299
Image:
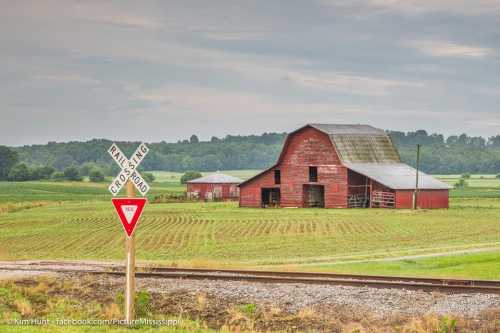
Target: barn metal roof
x,y
217,178
398,176
347,129
361,143
370,152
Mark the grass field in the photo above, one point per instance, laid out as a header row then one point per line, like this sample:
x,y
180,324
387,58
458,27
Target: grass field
x,y
48,301
43,220
187,327
484,265
174,177
475,181
70,191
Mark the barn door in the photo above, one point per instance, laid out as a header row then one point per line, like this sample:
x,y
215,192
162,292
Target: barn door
x,y
314,196
270,197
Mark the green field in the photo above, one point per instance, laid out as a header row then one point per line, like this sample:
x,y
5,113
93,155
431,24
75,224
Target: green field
x,y
43,220
483,265
70,191
475,181
174,177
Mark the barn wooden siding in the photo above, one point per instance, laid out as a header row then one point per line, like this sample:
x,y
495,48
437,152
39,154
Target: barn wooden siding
x,y
250,195
309,147
425,199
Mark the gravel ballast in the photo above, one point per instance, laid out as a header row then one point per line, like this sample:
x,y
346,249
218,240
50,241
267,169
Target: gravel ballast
x,y
291,297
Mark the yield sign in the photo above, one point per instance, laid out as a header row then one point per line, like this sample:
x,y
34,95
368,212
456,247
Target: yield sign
x,y
129,210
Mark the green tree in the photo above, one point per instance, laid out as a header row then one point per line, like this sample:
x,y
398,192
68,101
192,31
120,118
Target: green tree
x,y
149,177
494,141
194,139
186,163
462,183
35,173
43,172
8,158
62,161
87,167
190,175
96,175
498,176
19,172
58,176
72,173
210,162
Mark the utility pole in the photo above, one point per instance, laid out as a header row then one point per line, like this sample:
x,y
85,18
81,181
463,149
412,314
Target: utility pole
x,y
130,268
415,194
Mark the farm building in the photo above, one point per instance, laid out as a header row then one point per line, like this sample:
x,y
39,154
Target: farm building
x,y
341,166
214,187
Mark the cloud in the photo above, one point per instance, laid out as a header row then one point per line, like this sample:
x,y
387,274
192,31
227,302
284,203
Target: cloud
x,y
208,100
66,78
219,65
54,11
203,99
123,20
347,83
292,70
235,35
462,7
209,111
449,49
114,15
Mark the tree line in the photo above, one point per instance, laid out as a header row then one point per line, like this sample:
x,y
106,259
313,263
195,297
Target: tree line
x,y
456,154
11,169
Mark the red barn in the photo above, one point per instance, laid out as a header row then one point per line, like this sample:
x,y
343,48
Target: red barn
x,y
326,165
214,187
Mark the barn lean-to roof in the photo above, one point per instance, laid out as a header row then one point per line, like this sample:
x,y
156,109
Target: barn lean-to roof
x,y
369,151
397,176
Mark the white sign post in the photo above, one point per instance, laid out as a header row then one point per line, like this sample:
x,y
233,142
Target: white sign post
x,y
131,177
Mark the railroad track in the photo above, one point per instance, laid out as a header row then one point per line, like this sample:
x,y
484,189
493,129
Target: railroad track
x,y
372,281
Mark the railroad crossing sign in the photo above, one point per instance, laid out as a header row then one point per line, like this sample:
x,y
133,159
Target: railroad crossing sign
x,y
128,169
129,211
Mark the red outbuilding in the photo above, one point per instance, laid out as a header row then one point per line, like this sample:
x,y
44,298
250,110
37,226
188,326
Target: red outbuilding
x,y
214,187
341,166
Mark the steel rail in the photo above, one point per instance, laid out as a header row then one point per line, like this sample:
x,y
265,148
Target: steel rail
x,y
440,281
424,284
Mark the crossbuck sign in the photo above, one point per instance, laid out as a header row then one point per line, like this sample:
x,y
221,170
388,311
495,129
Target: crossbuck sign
x,y
129,211
128,169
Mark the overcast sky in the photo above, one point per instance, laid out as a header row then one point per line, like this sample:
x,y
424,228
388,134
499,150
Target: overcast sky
x,y
163,70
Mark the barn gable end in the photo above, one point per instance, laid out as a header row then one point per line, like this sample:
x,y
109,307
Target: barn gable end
x,y
310,147
303,148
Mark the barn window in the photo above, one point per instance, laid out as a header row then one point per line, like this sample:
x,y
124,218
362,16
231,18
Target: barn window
x,y
313,174
277,176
